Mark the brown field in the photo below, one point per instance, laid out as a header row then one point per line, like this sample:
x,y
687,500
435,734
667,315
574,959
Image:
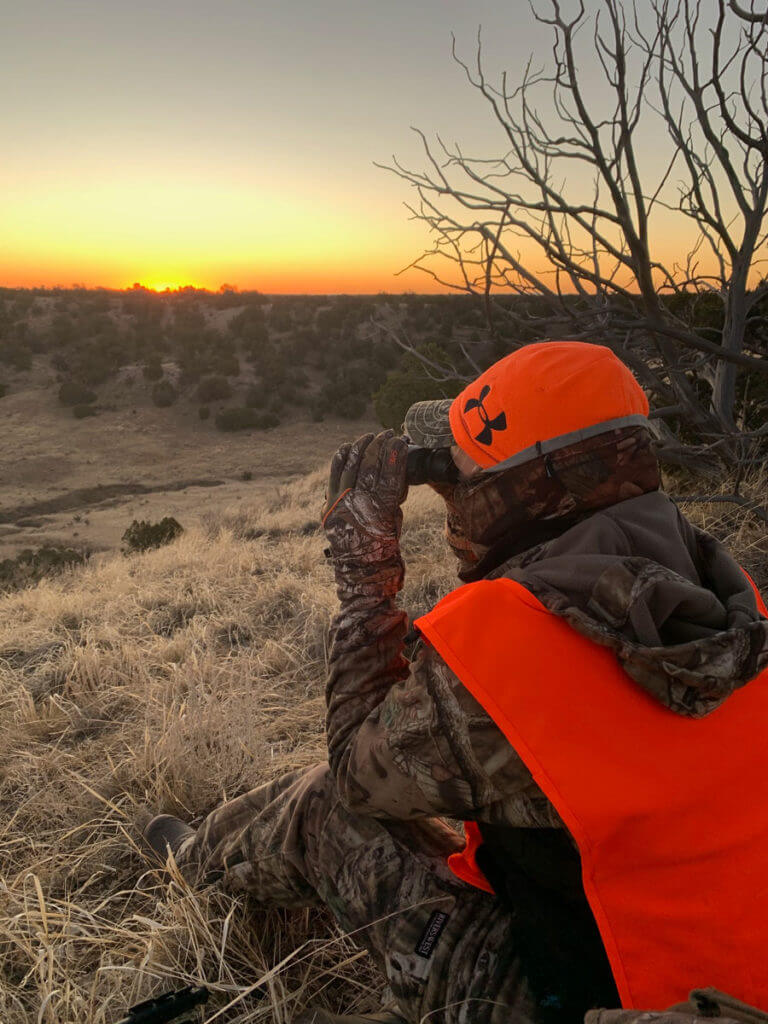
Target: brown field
x,y
170,681
82,482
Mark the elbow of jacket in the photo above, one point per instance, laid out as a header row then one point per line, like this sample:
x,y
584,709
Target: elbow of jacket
x,y
358,798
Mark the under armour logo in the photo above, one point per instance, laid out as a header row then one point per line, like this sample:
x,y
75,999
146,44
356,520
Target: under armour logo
x,y
489,425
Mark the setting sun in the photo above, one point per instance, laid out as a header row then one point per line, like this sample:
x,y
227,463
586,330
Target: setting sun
x,y
167,286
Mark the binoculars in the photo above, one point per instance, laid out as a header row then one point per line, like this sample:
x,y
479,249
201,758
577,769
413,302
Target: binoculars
x,y
430,465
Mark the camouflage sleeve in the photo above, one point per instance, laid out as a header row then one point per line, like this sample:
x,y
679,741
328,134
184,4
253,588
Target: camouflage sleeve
x,y
366,659
404,740
409,740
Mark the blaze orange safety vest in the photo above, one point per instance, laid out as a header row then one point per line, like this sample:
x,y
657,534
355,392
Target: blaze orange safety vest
x,y
670,814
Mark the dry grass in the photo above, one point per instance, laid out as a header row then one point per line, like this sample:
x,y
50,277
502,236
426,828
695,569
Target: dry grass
x,y
745,535
170,681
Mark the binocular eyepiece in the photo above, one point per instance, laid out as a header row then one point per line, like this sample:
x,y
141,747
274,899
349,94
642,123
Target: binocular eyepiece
x,y
430,465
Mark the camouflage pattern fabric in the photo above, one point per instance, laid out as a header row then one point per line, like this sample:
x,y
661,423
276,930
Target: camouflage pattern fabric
x,y
703,1004
565,485
407,742
623,566
421,744
362,517
442,945
427,747
685,1016
630,578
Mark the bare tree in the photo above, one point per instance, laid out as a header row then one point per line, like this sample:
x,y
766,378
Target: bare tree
x,y
564,234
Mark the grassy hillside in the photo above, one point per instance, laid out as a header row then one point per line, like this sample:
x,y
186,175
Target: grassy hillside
x,y
167,681
170,681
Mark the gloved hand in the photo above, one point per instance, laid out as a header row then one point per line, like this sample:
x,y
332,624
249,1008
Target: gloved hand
x,y
362,517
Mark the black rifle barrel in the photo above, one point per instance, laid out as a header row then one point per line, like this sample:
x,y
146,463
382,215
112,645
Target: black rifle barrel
x,y
166,1007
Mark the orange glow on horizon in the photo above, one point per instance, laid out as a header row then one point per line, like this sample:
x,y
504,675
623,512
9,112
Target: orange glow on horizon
x,y
167,286
366,279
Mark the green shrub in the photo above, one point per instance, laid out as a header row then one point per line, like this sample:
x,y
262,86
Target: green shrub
x,y
152,369
227,364
256,396
411,383
142,535
268,420
32,565
337,400
164,394
72,392
350,406
245,419
190,372
81,412
204,412
16,353
213,389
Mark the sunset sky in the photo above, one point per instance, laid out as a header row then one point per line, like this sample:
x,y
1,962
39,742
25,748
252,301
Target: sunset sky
x,y
182,141
188,142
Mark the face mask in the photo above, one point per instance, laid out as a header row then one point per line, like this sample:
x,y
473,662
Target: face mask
x,y
467,552
573,482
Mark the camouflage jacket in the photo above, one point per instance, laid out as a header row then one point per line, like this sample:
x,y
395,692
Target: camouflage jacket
x,y
407,740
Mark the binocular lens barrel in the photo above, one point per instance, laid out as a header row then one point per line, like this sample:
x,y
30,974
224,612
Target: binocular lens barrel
x,y
431,465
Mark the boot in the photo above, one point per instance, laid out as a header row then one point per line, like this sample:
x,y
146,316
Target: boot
x,y
165,834
703,1003
326,1017
710,1002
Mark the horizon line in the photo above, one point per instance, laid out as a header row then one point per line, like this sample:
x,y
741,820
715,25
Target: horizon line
x,y
214,291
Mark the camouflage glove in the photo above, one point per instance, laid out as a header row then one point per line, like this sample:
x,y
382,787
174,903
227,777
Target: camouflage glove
x,y
362,517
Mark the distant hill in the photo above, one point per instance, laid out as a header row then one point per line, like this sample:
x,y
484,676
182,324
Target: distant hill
x,y
281,356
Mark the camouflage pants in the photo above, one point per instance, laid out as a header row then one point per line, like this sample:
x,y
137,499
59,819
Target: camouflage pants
x,y
442,945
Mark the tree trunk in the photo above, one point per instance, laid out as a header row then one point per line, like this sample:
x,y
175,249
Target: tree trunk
x,y
726,373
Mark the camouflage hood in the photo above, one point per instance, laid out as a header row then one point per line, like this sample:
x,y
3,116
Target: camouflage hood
x,y
664,596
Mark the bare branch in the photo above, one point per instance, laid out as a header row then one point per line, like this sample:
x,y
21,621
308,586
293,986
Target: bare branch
x,y
564,233
753,16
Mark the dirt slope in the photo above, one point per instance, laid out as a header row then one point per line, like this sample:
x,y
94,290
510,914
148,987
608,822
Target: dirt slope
x,y
83,481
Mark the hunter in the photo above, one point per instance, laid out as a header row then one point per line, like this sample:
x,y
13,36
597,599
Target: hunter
x,y
580,701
